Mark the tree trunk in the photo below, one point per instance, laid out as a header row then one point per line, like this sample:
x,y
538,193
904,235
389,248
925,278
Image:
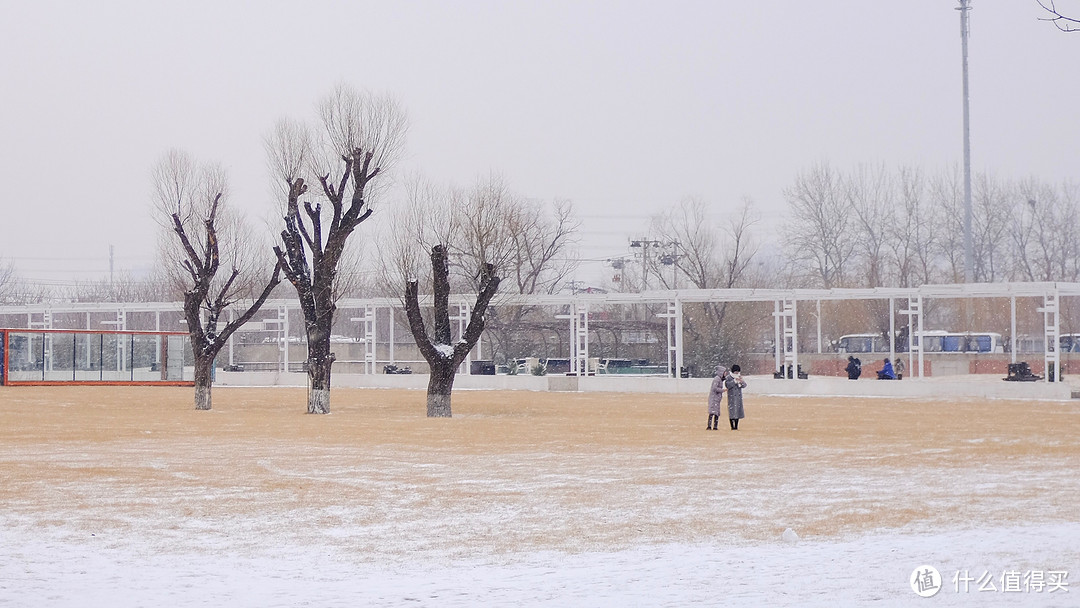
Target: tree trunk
x,y
319,362
440,385
444,363
204,378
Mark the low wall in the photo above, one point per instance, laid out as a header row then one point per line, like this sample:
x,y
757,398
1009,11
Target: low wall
x,y
407,381
925,388
934,364
975,387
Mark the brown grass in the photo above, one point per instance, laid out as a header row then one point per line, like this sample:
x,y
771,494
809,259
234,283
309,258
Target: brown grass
x,y
522,470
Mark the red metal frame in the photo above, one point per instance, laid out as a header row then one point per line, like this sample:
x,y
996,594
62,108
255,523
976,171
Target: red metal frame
x,y
7,381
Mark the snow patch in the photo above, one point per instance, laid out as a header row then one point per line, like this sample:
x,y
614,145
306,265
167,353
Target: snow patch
x,y
789,536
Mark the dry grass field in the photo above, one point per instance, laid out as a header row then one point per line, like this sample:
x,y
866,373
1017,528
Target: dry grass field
x,y
520,471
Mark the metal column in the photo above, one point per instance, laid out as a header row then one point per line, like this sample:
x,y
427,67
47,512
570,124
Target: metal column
x,y
892,329
679,363
777,338
1052,333
788,329
281,325
673,322
462,317
369,337
579,327
915,331
1012,329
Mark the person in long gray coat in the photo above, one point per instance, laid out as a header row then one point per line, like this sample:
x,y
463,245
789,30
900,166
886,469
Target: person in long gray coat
x,y
734,385
716,397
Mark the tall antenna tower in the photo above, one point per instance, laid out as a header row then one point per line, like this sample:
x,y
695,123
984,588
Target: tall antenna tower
x,y
112,286
969,253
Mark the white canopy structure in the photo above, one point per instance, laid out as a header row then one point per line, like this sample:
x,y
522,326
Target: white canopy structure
x,y
786,304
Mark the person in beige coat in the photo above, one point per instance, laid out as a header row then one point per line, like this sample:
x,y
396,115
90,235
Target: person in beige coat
x,y
716,398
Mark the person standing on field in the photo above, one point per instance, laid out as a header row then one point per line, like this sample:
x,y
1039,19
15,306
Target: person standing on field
x,y
734,385
854,368
716,398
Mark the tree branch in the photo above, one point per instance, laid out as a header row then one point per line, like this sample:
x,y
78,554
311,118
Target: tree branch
x,y
212,257
1063,23
235,324
489,284
440,282
314,240
193,262
416,322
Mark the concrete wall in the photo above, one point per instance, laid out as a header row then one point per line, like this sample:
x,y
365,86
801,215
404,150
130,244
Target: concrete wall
x,y
409,381
934,364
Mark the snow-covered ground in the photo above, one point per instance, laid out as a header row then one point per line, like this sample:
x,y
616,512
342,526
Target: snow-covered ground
x,y
533,500
58,571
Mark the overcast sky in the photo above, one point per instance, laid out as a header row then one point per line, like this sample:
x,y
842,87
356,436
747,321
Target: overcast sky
x,y
621,107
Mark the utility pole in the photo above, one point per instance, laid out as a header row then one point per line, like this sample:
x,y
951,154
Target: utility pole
x,y
672,259
969,255
644,243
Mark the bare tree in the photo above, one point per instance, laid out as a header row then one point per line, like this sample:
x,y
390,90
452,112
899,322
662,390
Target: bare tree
x,y
869,194
1061,21
819,226
18,291
523,240
158,286
194,201
947,204
8,282
526,241
443,357
901,228
699,255
993,202
1069,228
1043,232
711,255
361,136
912,238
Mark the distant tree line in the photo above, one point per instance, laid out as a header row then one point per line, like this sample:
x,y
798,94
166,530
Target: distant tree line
x,y
875,227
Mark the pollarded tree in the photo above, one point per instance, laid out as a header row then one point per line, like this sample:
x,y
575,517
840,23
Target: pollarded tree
x,y
527,242
448,226
442,356
361,136
191,203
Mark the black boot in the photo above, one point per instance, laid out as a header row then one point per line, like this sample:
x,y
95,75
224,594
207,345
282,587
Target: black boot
x,y
736,421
